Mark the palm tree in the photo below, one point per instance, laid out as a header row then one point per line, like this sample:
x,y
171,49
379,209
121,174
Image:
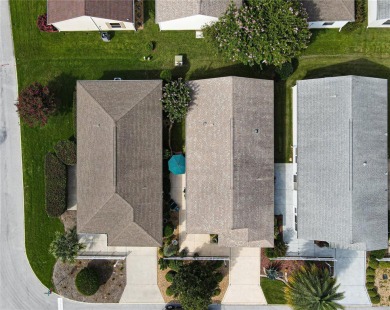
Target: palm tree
x,y
313,288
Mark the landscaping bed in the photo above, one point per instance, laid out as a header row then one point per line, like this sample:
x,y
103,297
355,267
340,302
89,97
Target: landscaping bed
x,y
112,280
286,266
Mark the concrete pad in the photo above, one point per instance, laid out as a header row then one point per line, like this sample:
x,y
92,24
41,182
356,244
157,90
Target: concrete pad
x,y
141,277
71,188
244,278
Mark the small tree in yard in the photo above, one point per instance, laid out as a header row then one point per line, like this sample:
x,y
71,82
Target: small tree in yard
x,y
176,100
194,285
36,104
66,246
313,288
261,32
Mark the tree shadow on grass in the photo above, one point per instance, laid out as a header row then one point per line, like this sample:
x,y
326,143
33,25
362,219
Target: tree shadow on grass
x,y
63,87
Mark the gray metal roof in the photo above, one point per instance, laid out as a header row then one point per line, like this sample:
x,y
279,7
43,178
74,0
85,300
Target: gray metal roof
x,y
173,9
330,10
383,9
342,161
119,161
230,161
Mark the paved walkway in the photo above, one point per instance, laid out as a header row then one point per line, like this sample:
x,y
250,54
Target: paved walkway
x,y
244,278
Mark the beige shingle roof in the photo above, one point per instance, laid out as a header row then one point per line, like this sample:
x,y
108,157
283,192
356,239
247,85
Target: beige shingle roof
x,y
230,161
119,153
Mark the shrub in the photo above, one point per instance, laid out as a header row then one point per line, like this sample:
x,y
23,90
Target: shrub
x,y
370,286
279,250
217,264
169,291
216,292
175,264
170,275
372,293
43,26
163,263
183,253
87,281
378,254
176,99
166,75
150,46
55,186
66,152
219,277
370,278
376,299
66,246
384,264
373,263
170,250
35,104
285,70
370,271
161,251
168,230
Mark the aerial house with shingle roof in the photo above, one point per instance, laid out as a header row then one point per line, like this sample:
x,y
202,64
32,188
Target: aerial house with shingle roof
x,y
230,161
190,14
329,13
91,15
119,155
341,155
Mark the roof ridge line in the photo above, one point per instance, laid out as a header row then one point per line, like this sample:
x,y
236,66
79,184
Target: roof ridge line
x,y
148,94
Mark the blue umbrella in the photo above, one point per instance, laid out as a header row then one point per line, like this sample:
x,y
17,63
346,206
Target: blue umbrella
x,y
177,164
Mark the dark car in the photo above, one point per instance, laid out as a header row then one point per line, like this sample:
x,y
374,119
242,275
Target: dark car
x,y
171,307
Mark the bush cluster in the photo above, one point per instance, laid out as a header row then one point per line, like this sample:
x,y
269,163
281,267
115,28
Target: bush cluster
x,y
384,264
168,230
166,75
378,254
66,152
373,263
216,292
55,186
279,250
163,263
169,291
170,275
43,26
219,277
170,250
175,264
87,281
35,104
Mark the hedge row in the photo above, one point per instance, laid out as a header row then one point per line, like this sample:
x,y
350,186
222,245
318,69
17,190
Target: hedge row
x,y
55,186
66,152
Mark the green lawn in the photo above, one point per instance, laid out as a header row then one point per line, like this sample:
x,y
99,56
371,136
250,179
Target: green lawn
x,y
60,59
273,291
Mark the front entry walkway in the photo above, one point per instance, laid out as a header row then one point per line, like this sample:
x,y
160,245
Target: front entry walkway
x,y
244,287
141,286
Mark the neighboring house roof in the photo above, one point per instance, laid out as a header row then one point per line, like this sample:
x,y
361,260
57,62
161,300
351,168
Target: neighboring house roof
x,y
60,10
326,10
230,161
383,9
342,161
119,161
174,9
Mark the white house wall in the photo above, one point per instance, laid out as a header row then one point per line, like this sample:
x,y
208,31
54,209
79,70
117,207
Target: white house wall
x,y
87,23
195,22
320,25
373,22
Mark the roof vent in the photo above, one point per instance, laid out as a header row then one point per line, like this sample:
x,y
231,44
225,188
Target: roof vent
x,y
256,130
365,163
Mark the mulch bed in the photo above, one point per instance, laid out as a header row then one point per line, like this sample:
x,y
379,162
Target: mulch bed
x,y
69,219
112,279
285,265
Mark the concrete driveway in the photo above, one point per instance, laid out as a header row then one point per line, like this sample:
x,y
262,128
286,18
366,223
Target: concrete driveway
x,y
244,278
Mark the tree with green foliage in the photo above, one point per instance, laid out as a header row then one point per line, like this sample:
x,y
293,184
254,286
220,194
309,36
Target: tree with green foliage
x,y
176,100
66,246
87,281
268,32
313,288
194,285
